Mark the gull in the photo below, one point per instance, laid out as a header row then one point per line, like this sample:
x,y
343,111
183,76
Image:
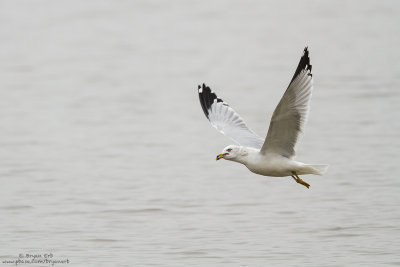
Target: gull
x,y
275,155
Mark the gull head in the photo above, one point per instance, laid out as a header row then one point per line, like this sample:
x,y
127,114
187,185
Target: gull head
x,y
230,153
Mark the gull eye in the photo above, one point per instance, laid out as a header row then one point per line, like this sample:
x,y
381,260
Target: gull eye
x,y
229,149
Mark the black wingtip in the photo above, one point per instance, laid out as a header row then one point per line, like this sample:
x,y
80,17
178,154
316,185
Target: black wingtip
x,y
203,86
207,98
304,64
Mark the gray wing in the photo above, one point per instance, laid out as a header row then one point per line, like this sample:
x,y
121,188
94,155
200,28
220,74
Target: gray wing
x,y
290,116
223,118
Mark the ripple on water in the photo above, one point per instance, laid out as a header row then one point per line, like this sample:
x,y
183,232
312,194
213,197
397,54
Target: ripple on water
x,y
134,211
16,207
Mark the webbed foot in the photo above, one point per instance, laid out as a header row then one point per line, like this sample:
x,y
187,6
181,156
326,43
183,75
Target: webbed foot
x,y
299,181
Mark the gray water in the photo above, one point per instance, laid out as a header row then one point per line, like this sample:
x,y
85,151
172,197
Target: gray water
x,y
106,158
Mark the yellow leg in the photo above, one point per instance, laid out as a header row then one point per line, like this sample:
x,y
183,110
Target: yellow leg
x,y
298,180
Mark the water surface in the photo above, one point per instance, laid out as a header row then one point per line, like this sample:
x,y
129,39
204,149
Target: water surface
x,y
106,158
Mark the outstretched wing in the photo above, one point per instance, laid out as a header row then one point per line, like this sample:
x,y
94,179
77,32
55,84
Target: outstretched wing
x,y
290,116
223,118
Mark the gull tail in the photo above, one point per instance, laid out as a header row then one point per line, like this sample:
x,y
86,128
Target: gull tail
x,y
317,169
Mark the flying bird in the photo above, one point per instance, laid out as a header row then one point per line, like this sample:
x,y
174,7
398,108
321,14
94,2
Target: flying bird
x,y
275,155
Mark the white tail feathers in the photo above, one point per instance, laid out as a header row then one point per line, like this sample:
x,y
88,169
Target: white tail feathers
x,y
318,169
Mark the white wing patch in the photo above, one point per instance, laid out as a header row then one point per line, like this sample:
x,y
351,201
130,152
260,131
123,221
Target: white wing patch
x,y
290,116
223,118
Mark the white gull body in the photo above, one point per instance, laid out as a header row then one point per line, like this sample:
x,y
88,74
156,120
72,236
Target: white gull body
x,y
269,164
